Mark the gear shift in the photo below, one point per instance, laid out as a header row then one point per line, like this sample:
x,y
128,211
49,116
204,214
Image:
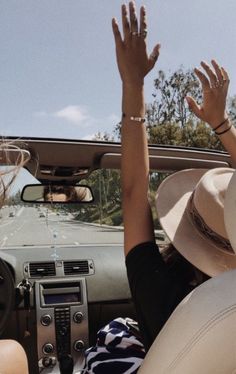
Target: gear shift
x,y
66,364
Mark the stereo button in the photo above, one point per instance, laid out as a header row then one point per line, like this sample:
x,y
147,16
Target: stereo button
x,y
63,330
48,348
78,317
46,320
78,345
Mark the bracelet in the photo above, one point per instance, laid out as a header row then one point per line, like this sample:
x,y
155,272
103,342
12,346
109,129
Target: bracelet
x,y
223,132
221,124
135,119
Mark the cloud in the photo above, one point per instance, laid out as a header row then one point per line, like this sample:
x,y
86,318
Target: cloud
x,y
84,124
73,113
89,137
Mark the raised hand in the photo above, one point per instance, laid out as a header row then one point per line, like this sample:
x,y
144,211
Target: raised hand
x,y
133,61
215,83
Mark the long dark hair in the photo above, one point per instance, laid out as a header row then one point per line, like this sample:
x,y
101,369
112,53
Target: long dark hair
x,y
182,269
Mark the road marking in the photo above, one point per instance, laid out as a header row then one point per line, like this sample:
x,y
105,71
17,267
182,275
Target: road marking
x,y
19,212
21,226
6,223
4,241
71,226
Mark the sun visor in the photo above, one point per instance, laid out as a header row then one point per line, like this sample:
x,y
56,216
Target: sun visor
x,y
165,163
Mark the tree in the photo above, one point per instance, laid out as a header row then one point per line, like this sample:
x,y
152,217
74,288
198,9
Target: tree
x,y
194,134
169,105
169,120
232,109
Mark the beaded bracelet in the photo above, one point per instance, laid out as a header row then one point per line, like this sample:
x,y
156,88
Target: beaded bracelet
x,y
135,119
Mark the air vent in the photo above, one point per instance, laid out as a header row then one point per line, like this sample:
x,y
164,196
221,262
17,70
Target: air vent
x,y
76,267
42,269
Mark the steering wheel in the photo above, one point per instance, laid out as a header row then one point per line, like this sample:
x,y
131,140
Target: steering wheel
x,y
7,295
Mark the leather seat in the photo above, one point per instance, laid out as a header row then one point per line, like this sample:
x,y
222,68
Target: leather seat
x,y
200,335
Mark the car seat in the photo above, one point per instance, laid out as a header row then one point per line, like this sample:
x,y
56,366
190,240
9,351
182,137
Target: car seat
x,y
200,335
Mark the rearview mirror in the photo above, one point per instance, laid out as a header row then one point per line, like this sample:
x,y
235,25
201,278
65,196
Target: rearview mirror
x,y
56,193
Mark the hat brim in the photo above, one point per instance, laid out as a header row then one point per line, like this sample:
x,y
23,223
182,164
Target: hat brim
x,y
230,211
171,202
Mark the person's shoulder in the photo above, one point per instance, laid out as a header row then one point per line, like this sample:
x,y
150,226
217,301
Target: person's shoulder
x,y
143,249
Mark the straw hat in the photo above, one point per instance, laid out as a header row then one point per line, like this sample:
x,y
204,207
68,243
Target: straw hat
x,y
190,206
230,211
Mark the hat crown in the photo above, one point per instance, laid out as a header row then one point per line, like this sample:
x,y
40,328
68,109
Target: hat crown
x,y
209,197
190,206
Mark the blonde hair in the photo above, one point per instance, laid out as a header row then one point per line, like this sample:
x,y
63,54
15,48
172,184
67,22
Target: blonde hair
x,y
14,158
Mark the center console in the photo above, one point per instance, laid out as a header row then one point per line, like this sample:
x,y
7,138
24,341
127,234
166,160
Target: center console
x,y
62,322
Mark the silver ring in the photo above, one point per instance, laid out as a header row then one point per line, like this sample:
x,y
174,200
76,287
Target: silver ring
x,y
134,33
216,85
144,33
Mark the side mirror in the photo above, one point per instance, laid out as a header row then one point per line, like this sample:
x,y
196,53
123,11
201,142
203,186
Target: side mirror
x,y
57,194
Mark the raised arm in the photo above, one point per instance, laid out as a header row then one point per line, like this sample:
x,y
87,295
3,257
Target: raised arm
x,y
215,85
134,64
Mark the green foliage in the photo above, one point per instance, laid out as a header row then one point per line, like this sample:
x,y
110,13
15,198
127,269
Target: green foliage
x,y
169,104
232,109
167,133
106,187
169,121
116,218
193,134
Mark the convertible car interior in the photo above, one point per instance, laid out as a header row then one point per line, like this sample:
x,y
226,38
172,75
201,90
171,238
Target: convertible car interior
x,y
65,276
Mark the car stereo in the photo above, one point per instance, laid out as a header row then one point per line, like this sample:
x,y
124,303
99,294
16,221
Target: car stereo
x,y
62,321
60,293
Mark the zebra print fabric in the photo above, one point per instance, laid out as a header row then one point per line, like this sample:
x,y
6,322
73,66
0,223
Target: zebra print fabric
x,y
117,350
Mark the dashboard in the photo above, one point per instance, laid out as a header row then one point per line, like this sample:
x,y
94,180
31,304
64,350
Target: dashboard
x,y
64,294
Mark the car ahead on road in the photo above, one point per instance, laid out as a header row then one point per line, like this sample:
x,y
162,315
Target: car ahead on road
x,y
67,277
11,214
64,213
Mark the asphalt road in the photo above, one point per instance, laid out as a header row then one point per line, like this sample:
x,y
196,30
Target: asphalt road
x,y
27,228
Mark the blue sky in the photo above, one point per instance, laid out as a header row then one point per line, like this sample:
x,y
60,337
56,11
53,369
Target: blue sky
x,y
58,74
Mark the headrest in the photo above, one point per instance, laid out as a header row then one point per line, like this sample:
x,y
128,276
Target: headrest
x,y
200,335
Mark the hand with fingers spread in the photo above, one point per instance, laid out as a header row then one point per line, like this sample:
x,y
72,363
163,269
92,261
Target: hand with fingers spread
x,y
133,61
215,83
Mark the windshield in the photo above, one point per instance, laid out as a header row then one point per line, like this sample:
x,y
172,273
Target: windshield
x,y
100,223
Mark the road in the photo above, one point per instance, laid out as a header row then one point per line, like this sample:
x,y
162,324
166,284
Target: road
x,y
27,228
